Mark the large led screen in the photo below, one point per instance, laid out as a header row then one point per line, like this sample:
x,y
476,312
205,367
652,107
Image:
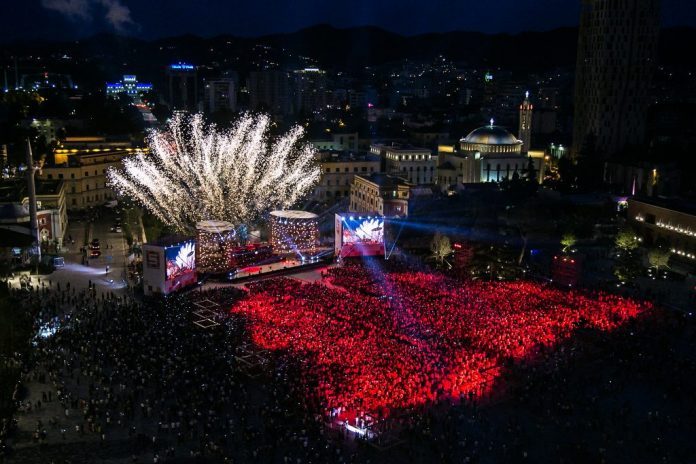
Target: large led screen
x,y
181,266
362,236
363,230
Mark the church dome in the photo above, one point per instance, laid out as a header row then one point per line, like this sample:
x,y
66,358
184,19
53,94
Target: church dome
x,y
491,135
491,140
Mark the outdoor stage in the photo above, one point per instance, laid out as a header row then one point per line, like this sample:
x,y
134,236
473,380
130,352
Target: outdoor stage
x,y
290,264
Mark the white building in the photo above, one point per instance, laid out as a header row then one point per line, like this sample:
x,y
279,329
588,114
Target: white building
x,y
128,85
488,154
416,165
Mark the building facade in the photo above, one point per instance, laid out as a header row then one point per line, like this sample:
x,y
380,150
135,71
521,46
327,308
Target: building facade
x,y
51,129
311,94
416,165
270,91
338,169
51,215
380,193
130,86
665,222
82,163
182,87
52,211
617,48
220,95
340,141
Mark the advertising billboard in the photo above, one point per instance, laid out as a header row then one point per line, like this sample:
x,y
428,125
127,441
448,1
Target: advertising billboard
x,y
360,235
180,262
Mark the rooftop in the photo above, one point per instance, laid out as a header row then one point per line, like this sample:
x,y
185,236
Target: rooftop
x,y
343,156
402,147
386,180
215,227
15,190
293,214
674,204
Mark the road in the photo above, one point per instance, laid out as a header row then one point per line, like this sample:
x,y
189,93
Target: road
x,y
79,275
114,251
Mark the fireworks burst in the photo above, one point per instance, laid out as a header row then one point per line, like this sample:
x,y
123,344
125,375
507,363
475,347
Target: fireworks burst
x,y
198,172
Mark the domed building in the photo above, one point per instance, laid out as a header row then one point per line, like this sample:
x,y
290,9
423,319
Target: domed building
x,y
488,154
491,140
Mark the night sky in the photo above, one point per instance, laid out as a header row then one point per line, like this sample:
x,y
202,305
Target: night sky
x,y
69,19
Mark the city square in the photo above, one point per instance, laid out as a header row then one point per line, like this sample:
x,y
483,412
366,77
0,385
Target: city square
x,y
458,234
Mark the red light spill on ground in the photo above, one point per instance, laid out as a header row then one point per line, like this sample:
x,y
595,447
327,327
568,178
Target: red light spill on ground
x,y
436,338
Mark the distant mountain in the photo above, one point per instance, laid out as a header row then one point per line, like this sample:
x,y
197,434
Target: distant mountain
x,y
369,45
349,48
372,45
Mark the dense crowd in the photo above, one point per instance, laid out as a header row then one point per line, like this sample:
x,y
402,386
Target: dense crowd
x,y
402,339
146,376
589,376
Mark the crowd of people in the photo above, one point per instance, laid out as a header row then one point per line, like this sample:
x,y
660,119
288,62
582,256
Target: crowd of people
x,y
401,338
374,343
143,376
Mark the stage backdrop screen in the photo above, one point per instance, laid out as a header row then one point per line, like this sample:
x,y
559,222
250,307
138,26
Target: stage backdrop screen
x,y
362,236
181,266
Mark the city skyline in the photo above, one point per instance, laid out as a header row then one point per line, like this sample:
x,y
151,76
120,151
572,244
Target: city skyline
x,y
74,19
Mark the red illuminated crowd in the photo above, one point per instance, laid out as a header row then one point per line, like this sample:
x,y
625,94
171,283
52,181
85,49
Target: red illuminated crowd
x,y
402,338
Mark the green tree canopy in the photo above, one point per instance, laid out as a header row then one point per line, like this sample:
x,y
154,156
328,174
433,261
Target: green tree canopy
x,y
627,240
658,258
568,240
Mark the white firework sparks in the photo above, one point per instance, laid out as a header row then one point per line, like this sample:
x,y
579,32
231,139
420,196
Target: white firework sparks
x,y
371,230
186,258
198,172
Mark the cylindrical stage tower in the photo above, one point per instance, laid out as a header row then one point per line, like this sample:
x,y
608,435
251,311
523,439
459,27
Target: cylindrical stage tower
x,y
214,240
294,231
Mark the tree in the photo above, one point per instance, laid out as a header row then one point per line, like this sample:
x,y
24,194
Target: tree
x,y
440,247
567,171
568,241
658,258
628,263
626,240
531,171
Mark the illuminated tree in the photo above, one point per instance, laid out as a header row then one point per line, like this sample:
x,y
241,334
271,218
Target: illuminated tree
x,y
628,262
627,240
568,241
440,247
658,258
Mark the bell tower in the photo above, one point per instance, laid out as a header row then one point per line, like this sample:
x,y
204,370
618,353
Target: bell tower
x,y
525,133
